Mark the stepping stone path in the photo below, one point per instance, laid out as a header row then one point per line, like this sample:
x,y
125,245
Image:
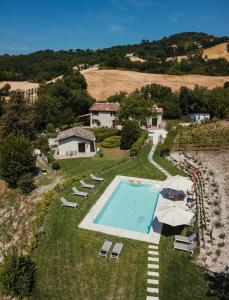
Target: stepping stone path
x,y
153,273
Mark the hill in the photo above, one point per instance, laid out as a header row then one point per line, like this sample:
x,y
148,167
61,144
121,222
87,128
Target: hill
x,y
44,65
217,51
104,83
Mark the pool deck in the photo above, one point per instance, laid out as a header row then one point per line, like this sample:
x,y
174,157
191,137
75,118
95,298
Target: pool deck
x,y
155,231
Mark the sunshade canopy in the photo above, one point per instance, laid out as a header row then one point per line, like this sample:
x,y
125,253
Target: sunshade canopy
x,y
173,215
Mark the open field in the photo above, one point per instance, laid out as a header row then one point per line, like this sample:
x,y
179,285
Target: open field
x,y
68,265
104,83
136,59
20,85
217,51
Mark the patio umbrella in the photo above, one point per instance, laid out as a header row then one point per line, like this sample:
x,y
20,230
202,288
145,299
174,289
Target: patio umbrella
x,y
176,185
173,215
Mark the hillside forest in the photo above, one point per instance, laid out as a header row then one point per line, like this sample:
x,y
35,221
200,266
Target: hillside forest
x,y
44,65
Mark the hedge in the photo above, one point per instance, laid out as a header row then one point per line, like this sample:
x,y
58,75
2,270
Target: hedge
x,y
166,147
102,133
111,142
136,147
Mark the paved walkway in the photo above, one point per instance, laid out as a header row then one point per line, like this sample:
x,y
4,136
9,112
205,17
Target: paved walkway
x,y
150,158
153,273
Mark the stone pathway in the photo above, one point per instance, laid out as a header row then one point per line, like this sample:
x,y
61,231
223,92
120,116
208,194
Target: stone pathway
x,y
153,273
150,158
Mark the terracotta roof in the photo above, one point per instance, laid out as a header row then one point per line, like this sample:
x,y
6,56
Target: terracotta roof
x,y
114,107
157,109
111,107
76,131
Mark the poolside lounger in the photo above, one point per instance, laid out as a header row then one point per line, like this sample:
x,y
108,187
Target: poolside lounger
x,y
116,250
79,193
105,248
93,177
67,203
185,239
184,247
86,185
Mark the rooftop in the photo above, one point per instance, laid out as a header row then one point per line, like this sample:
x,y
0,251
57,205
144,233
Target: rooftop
x,y
76,131
110,107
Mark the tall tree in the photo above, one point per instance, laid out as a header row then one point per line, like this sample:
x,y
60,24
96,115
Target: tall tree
x,y
136,108
16,158
18,117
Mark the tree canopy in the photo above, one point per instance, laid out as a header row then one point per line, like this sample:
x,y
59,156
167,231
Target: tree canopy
x,y
62,102
16,158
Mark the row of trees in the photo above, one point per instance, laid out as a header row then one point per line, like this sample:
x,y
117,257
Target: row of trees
x,y
192,65
177,104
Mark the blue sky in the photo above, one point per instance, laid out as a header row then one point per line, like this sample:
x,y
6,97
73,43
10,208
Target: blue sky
x,y
30,25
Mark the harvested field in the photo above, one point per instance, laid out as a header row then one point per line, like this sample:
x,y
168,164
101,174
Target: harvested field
x,y
136,59
218,51
104,83
20,85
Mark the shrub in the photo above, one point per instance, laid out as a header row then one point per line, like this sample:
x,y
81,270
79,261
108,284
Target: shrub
x,y
111,142
135,148
17,274
130,133
168,143
26,183
103,133
55,165
50,128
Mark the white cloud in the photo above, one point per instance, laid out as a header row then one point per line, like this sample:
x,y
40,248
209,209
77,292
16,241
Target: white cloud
x,y
115,28
123,5
176,18
13,48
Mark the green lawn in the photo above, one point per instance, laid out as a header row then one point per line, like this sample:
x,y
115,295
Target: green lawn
x,y
167,165
68,266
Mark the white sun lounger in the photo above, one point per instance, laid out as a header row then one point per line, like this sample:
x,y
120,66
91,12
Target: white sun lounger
x,y
185,239
184,247
67,203
105,248
79,193
86,185
116,250
93,177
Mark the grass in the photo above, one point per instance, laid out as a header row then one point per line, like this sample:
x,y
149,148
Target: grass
x,y
68,265
167,165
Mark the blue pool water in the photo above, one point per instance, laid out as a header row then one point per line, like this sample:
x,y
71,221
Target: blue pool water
x,y
131,206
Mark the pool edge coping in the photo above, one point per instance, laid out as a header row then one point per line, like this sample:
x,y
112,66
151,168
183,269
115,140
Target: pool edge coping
x,y
87,222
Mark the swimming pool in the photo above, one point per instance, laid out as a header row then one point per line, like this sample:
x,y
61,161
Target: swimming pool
x,y
127,208
131,206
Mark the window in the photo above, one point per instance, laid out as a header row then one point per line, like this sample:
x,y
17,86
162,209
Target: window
x,y
95,113
113,114
81,147
92,147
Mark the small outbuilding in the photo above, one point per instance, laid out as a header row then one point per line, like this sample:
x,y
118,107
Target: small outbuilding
x,y
75,142
199,117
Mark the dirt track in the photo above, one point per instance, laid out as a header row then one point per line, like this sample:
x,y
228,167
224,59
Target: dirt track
x,y
104,83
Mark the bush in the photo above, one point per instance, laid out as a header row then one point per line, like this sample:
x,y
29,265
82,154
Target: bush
x,y
111,142
102,133
130,133
55,165
168,143
135,148
26,183
17,274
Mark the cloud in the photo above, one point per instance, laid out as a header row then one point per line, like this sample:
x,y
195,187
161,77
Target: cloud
x,y
115,28
13,48
176,17
124,5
